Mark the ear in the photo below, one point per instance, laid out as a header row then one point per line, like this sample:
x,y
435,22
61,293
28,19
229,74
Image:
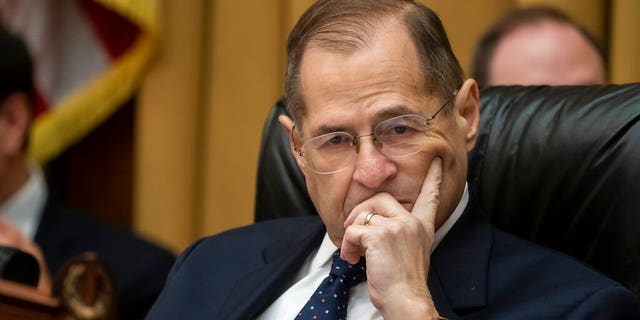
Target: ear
x,y
288,126
15,117
468,108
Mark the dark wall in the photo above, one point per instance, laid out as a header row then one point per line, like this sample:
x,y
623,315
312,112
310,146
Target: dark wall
x,y
96,174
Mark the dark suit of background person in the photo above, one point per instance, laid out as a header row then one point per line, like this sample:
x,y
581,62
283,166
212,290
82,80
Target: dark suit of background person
x,y
138,266
476,272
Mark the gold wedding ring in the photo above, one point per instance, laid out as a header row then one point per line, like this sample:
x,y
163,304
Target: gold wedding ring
x,y
367,219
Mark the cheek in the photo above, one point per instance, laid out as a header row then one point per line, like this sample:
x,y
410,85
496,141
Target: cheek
x,y
448,142
453,155
328,192
438,146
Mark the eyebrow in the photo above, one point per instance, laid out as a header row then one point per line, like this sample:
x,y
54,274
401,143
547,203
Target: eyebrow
x,y
395,111
324,129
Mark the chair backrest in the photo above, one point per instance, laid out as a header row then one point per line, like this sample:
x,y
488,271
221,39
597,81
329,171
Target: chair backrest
x,y
559,166
280,189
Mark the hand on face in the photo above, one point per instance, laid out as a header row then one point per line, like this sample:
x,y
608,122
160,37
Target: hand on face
x,y
397,245
11,237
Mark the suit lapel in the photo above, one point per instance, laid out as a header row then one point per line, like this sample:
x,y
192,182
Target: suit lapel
x,y
457,277
255,291
459,266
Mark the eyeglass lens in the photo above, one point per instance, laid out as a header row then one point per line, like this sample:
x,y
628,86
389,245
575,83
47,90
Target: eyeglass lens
x,y
396,137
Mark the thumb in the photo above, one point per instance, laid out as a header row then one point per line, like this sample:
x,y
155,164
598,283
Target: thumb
x,y
428,201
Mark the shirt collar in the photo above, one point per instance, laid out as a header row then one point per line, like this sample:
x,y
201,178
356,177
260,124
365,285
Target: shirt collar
x,y
326,249
24,209
453,218
324,254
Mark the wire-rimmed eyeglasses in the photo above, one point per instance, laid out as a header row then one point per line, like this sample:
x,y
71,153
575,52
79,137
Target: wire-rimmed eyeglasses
x,y
400,136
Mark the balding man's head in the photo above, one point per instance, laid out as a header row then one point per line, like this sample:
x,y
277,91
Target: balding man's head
x,y
538,46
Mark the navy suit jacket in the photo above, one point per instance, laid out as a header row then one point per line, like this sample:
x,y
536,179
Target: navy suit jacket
x,y
477,272
139,267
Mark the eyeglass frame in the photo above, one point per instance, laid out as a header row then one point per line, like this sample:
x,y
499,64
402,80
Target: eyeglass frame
x,y
357,138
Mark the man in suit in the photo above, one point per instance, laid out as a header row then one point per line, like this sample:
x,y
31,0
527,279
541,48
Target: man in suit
x,y
32,220
382,121
537,45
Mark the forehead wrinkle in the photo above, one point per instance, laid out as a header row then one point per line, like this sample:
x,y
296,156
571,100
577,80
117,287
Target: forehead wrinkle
x,y
377,77
357,79
366,92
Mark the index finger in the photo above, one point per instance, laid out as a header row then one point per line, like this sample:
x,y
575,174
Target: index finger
x,y
428,201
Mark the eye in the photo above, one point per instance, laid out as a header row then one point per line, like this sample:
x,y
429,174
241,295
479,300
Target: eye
x,y
332,141
400,129
335,140
395,127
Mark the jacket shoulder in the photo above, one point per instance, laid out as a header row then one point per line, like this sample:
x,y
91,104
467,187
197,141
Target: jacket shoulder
x,y
553,284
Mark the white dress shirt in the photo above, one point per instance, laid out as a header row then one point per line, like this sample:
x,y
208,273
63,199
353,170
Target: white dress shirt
x,y
24,209
317,267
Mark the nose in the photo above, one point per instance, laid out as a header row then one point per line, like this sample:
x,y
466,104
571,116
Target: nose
x,y
372,167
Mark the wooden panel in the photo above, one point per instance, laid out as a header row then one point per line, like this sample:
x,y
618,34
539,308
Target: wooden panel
x,y
294,9
245,79
465,21
589,13
167,131
95,174
624,54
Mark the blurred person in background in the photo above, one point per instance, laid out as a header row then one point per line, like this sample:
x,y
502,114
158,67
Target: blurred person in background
x,y
538,46
32,220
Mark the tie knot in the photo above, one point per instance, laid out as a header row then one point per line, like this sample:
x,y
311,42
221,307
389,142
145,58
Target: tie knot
x,y
351,274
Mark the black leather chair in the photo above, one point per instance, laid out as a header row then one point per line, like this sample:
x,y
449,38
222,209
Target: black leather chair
x,y
559,166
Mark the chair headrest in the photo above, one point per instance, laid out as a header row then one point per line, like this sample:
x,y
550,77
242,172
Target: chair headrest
x,y
561,166
280,188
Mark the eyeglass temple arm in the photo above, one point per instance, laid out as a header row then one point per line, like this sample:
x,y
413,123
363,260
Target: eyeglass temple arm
x,y
455,92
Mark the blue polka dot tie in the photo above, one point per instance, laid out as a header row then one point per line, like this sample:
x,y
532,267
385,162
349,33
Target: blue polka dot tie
x,y
330,300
